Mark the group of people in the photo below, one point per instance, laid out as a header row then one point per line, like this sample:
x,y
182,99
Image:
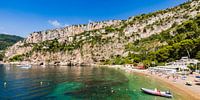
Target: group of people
x,y
165,74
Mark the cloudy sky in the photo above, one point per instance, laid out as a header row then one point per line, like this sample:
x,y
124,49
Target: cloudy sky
x,y
21,17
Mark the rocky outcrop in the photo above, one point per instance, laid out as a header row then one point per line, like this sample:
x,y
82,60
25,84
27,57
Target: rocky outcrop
x,y
65,34
102,40
69,31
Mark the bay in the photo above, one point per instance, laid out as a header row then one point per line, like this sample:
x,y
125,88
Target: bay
x,y
77,83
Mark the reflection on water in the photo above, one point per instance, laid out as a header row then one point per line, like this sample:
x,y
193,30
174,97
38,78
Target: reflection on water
x,y
57,83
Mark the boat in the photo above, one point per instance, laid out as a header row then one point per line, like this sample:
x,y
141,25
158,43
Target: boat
x,y
157,92
26,67
197,76
196,80
188,83
197,83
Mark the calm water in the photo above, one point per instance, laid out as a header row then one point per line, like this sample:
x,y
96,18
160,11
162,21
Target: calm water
x,y
75,83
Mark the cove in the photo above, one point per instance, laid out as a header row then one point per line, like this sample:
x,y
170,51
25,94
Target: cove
x,y
77,83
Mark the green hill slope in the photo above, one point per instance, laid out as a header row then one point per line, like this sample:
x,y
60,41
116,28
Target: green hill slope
x,y
170,45
8,40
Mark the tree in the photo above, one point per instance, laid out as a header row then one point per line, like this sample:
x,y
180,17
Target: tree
x,y
17,58
127,61
1,56
197,55
188,45
163,54
192,67
146,63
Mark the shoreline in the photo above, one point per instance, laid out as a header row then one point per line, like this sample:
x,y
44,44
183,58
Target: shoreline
x,y
45,63
193,91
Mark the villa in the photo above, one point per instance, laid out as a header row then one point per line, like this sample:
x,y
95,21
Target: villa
x,y
183,63
178,65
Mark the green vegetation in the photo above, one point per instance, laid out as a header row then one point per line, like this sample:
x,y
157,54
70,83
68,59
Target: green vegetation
x,y
143,17
185,41
89,37
16,58
1,56
93,38
198,55
8,40
118,60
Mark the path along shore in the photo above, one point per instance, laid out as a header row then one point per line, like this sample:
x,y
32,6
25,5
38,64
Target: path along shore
x,y
178,84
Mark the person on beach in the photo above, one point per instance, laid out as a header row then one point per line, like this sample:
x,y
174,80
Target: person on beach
x,y
177,77
168,76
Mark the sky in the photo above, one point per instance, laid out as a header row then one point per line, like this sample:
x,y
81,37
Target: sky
x,y
22,17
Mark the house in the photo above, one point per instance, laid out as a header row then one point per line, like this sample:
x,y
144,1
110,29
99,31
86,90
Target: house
x,y
182,63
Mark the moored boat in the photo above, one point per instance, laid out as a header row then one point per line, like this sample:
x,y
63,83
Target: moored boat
x,y
188,83
26,66
157,92
197,83
197,76
197,80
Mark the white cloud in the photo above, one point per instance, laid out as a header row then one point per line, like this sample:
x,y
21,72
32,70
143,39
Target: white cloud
x,y
55,23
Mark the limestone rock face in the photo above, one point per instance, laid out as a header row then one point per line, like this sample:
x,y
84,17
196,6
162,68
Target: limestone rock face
x,y
125,31
17,49
61,33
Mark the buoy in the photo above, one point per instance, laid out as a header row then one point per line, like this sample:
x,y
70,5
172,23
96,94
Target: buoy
x,y
5,83
41,83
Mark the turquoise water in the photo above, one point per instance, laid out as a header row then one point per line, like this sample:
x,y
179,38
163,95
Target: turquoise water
x,y
76,83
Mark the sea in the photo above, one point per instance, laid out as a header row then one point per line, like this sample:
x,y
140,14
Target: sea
x,y
78,83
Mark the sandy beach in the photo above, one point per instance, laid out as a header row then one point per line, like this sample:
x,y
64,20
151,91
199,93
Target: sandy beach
x,y
177,85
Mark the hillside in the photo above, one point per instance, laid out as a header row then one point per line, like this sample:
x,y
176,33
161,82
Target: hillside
x,y
7,41
109,42
170,45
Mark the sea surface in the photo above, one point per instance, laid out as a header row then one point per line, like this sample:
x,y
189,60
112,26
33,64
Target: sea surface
x,y
76,83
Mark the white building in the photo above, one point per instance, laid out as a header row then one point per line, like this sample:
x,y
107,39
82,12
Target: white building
x,y
183,63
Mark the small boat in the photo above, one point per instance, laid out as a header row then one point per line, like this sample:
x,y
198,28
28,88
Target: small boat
x,y
196,80
157,92
197,76
197,83
188,83
26,66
